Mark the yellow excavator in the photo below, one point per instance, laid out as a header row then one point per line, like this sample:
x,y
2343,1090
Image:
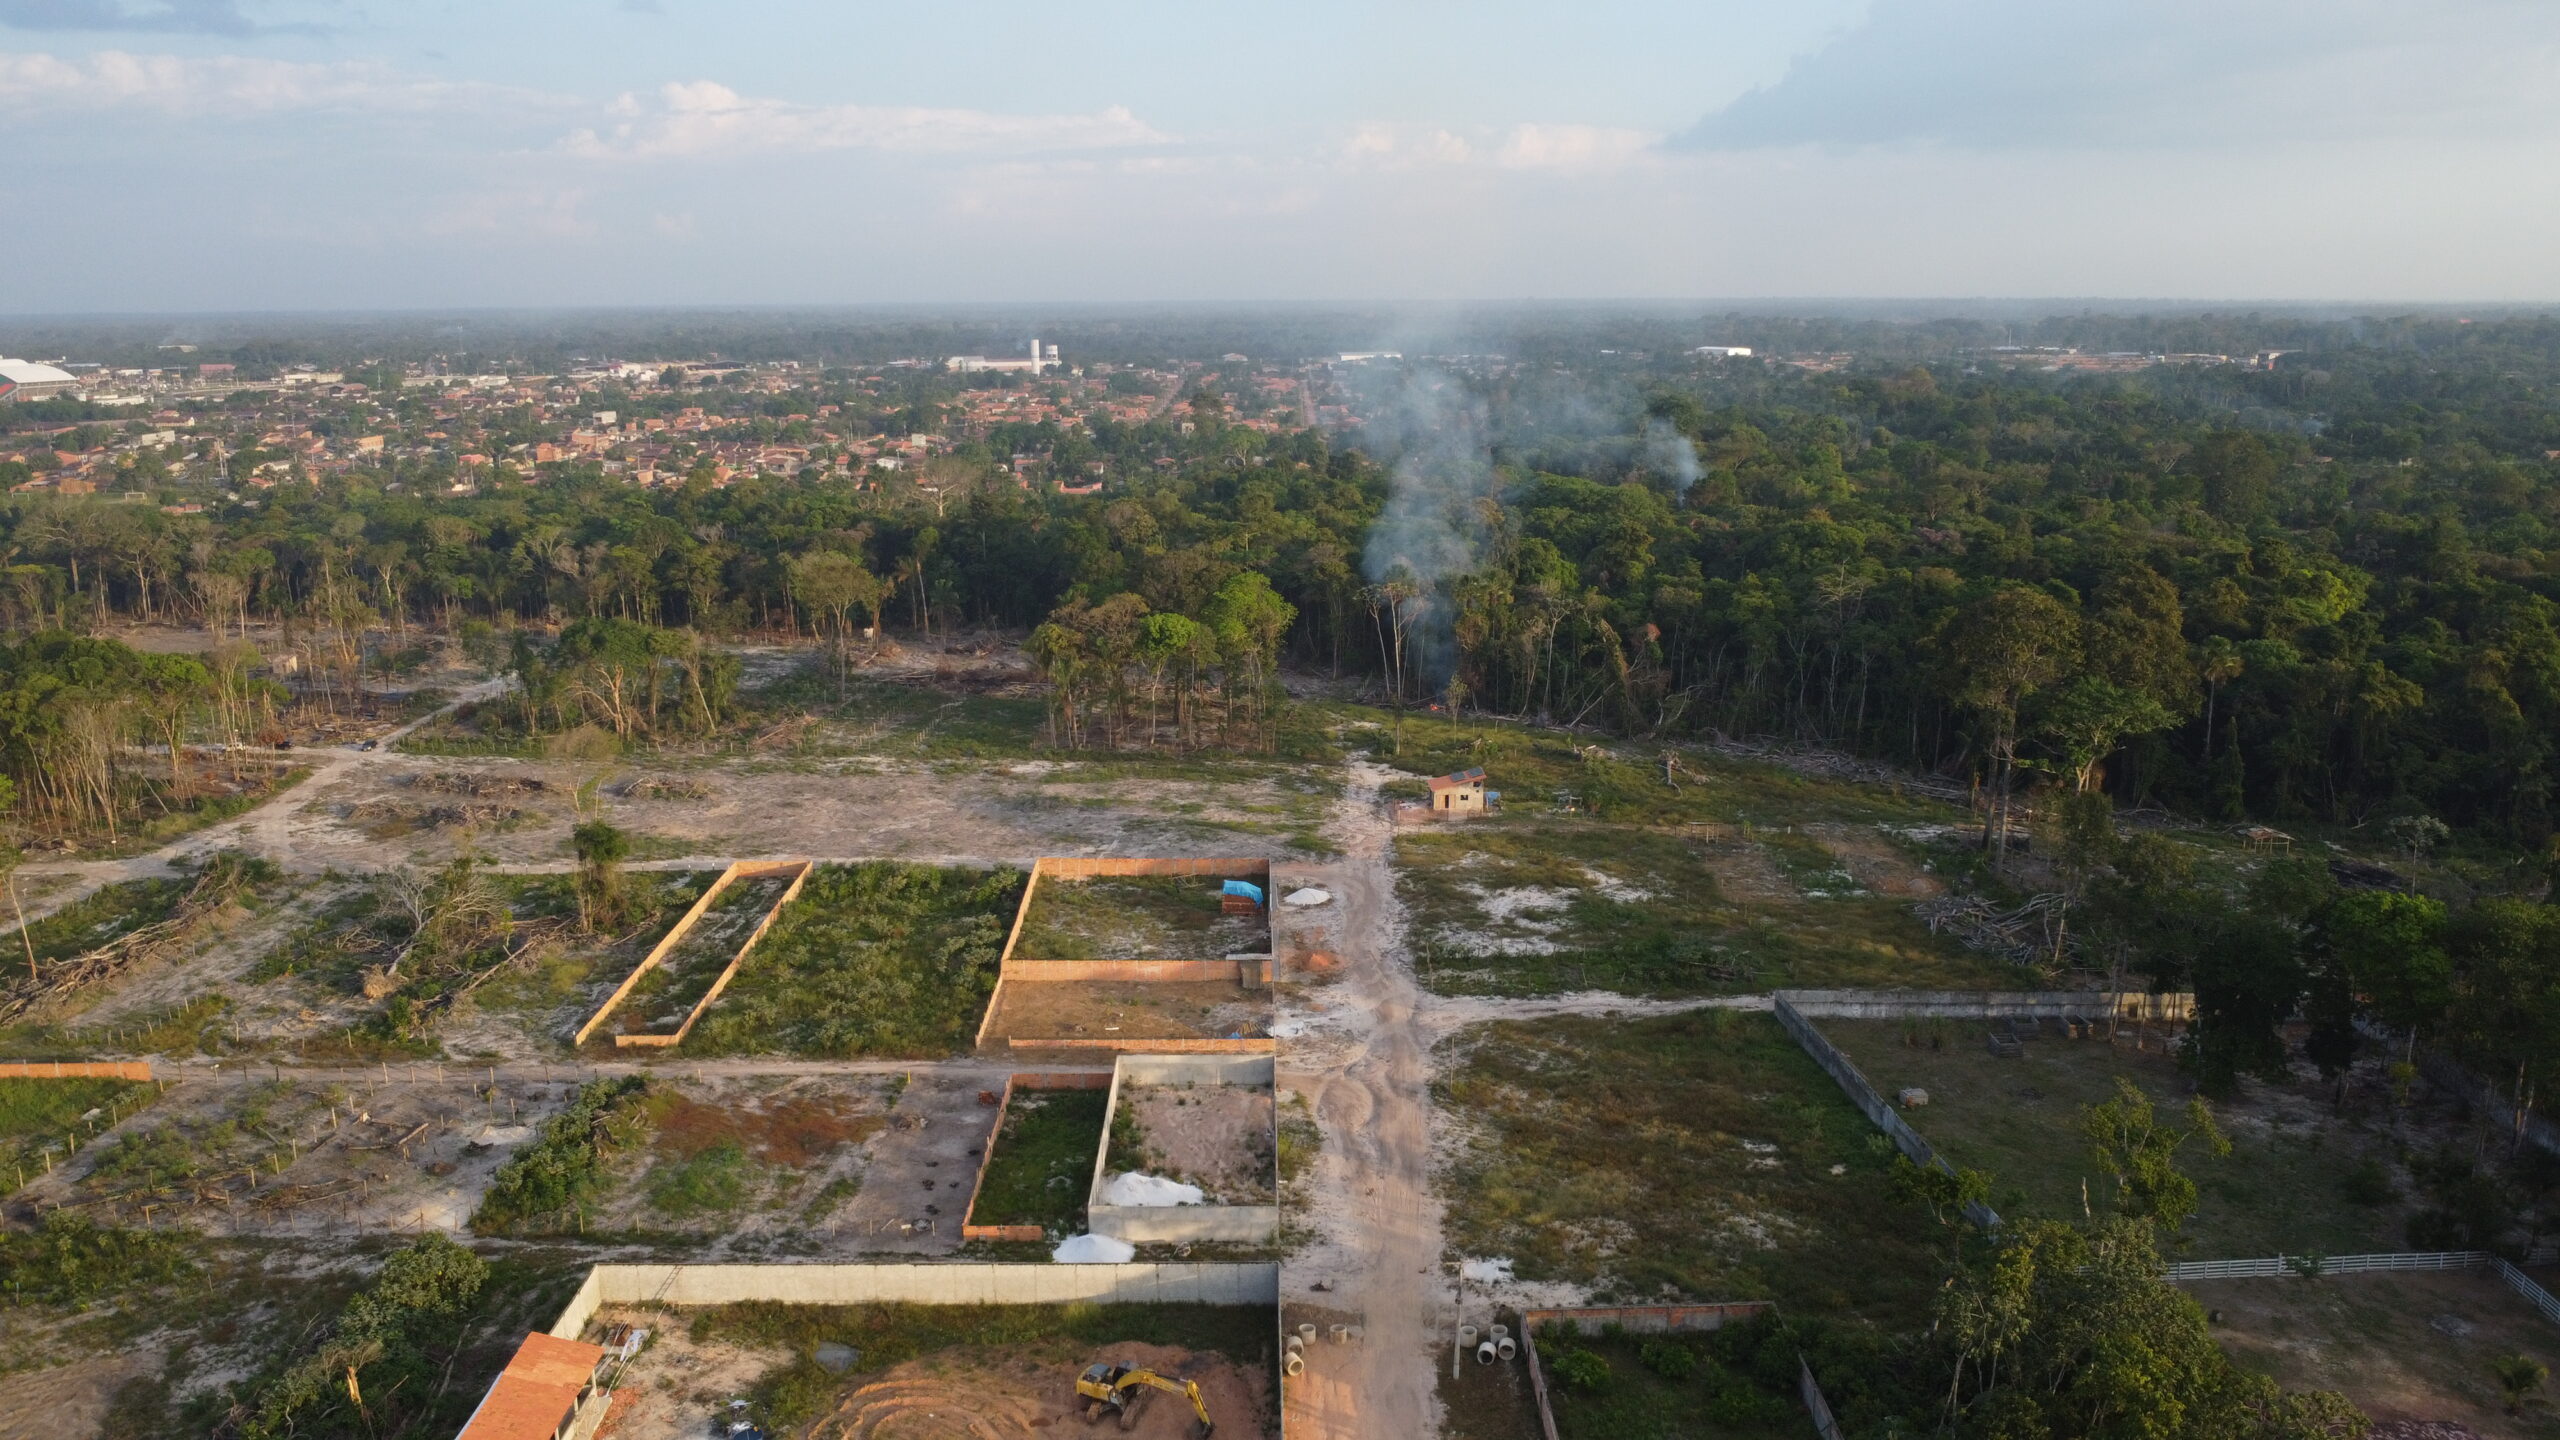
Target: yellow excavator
x,y
1124,1390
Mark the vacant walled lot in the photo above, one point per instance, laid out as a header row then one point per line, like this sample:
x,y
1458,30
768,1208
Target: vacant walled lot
x,y
1136,917
873,959
1218,1137
2290,1185
1693,1156
2406,1346
1040,1164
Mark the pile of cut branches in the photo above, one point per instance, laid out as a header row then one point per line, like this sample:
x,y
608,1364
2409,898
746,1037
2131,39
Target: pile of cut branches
x,y
2025,934
224,879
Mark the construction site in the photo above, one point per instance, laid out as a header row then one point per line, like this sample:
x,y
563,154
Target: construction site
x,y
876,1090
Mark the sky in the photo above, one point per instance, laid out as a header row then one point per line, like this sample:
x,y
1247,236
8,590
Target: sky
x,y
162,155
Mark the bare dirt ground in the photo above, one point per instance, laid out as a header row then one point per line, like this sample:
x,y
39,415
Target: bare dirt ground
x,y
676,1388
1877,863
1008,1393
2401,1346
270,1152
1744,872
1217,1137
783,1155
915,1192
65,1401
1374,1216
1128,1010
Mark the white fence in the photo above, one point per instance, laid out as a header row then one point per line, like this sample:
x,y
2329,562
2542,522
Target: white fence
x,y
1191,1283
2306,1266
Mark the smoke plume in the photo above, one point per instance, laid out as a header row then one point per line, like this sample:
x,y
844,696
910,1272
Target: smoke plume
x,y
1669,454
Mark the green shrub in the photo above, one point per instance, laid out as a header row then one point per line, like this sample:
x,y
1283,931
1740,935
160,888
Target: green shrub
x,y
69,1260
391,1336
1582,1370
2369,1185
1668,1358
548,1184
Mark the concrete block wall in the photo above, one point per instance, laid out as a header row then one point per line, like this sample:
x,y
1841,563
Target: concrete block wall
x,y
918,1284
1184,1224
2126,1005
1844,1072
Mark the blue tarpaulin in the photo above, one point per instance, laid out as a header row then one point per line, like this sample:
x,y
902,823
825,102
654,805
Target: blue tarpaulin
x,y
1245,888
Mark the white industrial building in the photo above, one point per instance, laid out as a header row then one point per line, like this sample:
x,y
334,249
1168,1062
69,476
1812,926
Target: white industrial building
x,y
27,380
1723,352
1041,358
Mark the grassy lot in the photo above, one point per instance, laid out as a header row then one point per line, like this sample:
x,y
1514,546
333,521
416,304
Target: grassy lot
x,y
2400,1346
886,1336
1698,1156
41,1115
873,959
1042,1163
1663,1387
96,918
1531,902
1135,917
872,717
743,1152
2290,1185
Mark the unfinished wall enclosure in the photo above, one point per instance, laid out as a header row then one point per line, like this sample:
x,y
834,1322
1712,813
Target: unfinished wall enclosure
x,y
1028,983
1244,1224
970,1229
794,872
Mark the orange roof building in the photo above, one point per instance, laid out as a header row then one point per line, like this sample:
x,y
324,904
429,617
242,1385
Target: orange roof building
x,y
537,1396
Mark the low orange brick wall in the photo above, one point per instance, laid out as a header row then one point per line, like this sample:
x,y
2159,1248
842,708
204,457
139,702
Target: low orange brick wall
x,y
738,870
83,1070
1027,1080
1140,1046
1048,972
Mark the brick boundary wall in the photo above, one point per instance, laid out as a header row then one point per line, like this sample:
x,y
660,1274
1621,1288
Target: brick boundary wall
x,y
1242,969
1641,1320
76,1070
1027,1080
738,870
2175,1008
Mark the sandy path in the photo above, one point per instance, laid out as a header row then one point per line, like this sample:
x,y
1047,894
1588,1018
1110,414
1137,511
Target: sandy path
x,y
1380,1248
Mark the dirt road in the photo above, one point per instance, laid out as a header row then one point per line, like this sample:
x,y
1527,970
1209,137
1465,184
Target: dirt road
x,y
1378,1250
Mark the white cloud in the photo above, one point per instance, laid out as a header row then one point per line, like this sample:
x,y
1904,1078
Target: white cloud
x,y
704,117
225,85
2007,74
1574,147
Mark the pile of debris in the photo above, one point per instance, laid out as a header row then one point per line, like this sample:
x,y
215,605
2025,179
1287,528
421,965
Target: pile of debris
x,y
216,891
658,787
429,817
2024,935
479,787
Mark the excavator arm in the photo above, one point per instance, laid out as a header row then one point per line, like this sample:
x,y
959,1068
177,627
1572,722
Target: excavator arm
x,y
1187,1389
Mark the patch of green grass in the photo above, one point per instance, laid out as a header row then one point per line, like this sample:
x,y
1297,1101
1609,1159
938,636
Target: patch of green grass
x,y
1530,903
880,958
1136,917
1686,1156
96,918
2287,1188
711,1181
874,717
1062,1337
158,1162
659,1002
41,1115
1663,1387
1042,1162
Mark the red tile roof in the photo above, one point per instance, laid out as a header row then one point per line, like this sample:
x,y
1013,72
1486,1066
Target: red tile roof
x,y
537,1391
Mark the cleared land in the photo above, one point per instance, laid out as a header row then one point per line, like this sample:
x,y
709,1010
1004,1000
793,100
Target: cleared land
x,y
1599,872
873,959
747,1161
1130,1010
1218,1137
1136,917
44,1117
1694,1156
1041,1162
984,1372
2411,1346
2290,1185
667,993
